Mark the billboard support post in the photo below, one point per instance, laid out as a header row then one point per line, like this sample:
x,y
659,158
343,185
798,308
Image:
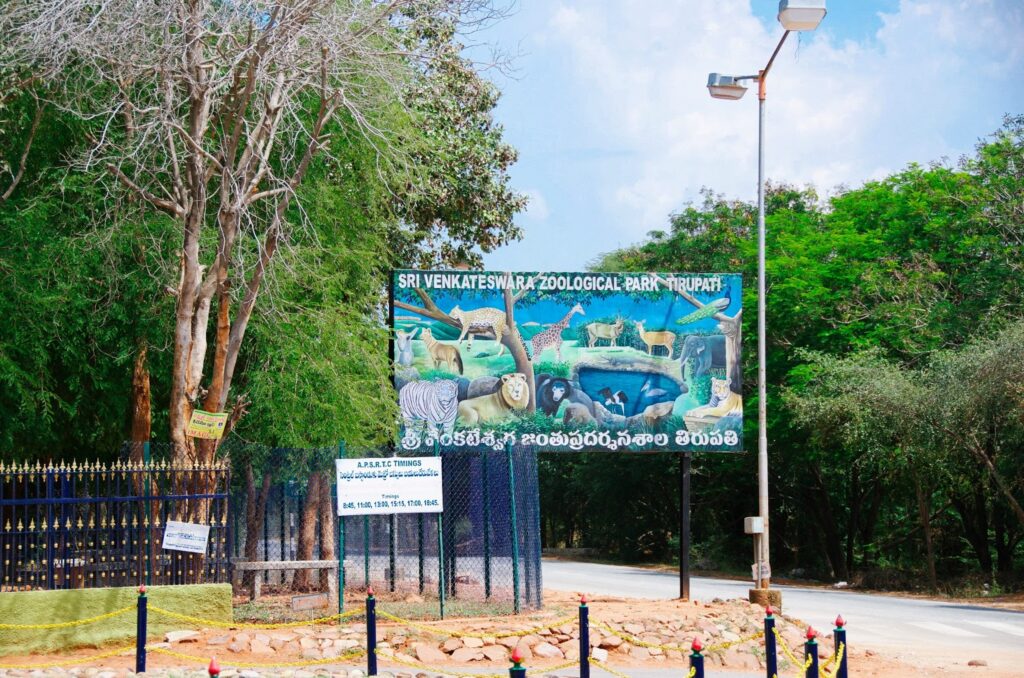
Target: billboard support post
x,y
684,525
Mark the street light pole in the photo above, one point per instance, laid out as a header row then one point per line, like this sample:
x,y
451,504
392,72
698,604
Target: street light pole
x,y
794,15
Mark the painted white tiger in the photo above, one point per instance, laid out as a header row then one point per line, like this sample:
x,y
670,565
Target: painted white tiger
x,y
430,403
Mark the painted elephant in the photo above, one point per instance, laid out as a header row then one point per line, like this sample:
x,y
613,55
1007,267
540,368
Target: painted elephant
x,y
706,351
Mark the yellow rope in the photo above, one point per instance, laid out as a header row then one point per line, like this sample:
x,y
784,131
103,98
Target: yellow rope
x,y
271,665
605,667
692,672
789,654
69,624
466,634
445,672
712,648
240,625
68,662
559,667
832,662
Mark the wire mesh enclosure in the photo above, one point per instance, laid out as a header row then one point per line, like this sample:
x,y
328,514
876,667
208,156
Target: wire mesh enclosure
x,y
482,552
92,525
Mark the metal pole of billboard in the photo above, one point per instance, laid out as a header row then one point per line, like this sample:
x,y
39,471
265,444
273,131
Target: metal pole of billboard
x,y
341,539
684,525
485,482
794,15
440,546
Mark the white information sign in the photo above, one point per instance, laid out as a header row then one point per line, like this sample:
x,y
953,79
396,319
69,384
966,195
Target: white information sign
x,y
188,537
389,485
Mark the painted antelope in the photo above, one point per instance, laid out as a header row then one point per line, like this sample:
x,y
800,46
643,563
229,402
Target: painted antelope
x,y
609,331
652,339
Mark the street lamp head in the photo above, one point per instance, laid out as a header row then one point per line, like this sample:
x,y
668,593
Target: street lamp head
x,y
801,15
725,86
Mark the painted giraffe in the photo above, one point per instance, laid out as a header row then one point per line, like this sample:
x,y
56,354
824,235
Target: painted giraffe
x,y
552,336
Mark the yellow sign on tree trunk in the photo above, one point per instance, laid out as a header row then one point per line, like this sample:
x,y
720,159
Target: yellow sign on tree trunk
x,y
208,425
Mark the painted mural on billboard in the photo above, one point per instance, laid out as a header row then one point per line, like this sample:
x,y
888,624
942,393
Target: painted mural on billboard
x,y
569,361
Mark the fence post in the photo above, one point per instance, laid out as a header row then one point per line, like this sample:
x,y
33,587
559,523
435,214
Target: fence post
x,y
486,487
371,633
140,631
811,651
517,603
341,537
696,658
840,639
584,638
771,659
517,670
441,589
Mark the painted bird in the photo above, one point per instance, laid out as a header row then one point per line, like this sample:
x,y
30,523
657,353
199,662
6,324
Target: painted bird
x,y
618,398
709,309
652,392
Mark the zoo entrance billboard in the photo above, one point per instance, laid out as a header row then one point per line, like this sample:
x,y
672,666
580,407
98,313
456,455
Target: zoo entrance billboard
x,y
568,361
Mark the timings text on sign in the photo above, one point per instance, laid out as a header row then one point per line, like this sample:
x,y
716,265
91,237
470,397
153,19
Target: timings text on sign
x,y
389,485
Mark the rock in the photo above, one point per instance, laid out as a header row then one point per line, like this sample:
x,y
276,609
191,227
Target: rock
x,y
467,654
633,629
237,647
414,598
249,673
611,642
600,654
311,653
307,643
346,644
482,386
303,674
547,651
219,640
977,662
472,642
182,636
530,640
579,397
428,654
509,641
640,653
452,644
355,673
260,648
496,653
243,638
524,650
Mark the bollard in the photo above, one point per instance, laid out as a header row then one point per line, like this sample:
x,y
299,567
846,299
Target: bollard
x,y
584,638
811,651
517,670
771,659
371,633
697,659
840,639
140,632
214,668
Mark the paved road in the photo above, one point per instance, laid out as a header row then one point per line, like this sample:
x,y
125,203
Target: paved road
x,y
925,632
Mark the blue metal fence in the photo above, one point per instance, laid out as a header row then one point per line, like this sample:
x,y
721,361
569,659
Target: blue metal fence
x,y
91,525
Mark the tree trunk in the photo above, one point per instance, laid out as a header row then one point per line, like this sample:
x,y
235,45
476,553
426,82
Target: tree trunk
x,y
307,531
974,518
924,514
141,403
327,551
255,515
513,341
825,517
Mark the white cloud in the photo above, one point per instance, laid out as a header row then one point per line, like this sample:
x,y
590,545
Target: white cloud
x,y
536,206
837,112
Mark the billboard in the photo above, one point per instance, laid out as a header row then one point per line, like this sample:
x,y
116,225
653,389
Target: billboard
x,y
568,361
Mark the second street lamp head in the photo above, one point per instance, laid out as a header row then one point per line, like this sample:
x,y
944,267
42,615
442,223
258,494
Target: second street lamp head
x,y
725,86
801,15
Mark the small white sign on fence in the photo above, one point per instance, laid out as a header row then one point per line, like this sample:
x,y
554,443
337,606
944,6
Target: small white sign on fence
x,y
389,485
188,537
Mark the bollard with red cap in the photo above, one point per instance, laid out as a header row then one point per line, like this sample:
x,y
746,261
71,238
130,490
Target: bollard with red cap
x,y
771,659
371,633
696,658
811,651
214,668
517,670
584,638
839,634
140,631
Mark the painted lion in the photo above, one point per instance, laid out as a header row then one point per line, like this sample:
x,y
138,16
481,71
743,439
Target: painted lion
x,y
514,394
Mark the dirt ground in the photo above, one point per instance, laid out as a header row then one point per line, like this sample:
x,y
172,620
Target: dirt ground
x,y
864,661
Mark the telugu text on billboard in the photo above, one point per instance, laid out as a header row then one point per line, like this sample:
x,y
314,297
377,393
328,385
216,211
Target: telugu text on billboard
x,y
568,361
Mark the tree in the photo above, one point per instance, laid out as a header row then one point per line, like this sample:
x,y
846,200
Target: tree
x,y
212,112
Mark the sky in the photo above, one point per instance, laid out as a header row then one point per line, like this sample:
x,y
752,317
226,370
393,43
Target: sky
x,y
607,105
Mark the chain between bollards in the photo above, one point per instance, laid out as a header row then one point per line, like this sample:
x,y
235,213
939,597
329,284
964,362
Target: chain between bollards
x,y
696,658
371,633
811,654
771,659
140,631
584,638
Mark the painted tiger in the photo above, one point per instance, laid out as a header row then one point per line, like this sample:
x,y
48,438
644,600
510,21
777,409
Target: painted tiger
x,y
723,401
432,403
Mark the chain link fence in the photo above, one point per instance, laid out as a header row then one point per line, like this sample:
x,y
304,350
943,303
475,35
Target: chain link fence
x,y
481,555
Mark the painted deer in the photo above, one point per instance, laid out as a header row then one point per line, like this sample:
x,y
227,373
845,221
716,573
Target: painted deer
x,y
652,339
609,331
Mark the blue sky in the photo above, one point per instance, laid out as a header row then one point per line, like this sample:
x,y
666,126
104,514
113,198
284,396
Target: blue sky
x,y
608,107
